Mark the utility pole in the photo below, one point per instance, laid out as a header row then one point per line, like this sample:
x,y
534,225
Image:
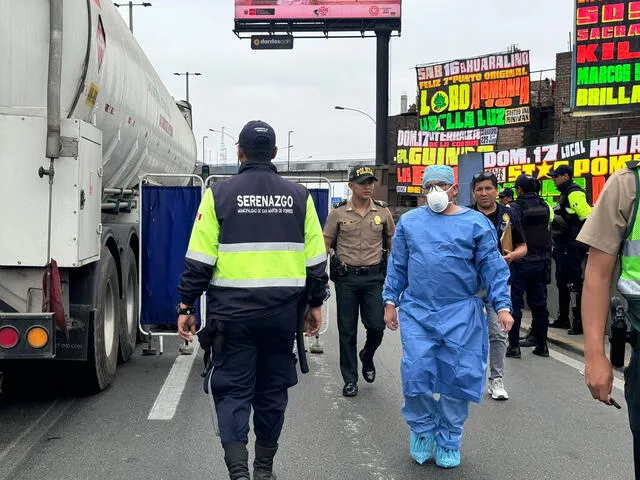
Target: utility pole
x,y
223,148
289,152
186,74
203,139
131,5
382,96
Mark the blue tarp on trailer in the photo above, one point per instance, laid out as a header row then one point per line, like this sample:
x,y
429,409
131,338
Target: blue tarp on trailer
x,y
167,219
321,199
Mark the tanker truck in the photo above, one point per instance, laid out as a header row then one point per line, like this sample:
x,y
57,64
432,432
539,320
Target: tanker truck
x,y
83,116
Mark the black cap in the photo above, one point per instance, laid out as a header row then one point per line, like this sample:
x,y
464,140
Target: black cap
x,y
522,181
507,192
361,174
257,136
527,183
561,170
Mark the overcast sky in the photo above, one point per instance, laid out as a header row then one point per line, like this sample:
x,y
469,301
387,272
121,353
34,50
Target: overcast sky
x,y
298,89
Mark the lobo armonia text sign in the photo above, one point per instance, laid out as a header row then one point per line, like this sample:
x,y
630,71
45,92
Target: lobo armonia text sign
x,y
481,92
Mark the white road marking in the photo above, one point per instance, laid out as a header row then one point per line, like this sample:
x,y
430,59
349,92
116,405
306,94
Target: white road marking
x,y
571,362
14,454
164,408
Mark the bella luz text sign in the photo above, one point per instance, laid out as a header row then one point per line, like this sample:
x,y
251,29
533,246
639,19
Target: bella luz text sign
x,y
606,75
416,150
488,91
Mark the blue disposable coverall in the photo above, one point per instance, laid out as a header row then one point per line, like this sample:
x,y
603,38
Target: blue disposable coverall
x,y
437,265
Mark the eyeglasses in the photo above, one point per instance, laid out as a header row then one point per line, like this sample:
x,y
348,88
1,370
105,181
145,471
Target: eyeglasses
x,y
440,185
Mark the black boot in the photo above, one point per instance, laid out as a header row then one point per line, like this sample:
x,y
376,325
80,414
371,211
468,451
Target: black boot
x,y
513,351
530,334
236,457
542,350
560,322
368,367
528,341
576,325
263,463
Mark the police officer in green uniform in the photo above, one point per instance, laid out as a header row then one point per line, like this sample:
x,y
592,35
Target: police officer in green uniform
x,y
570,213
356,233
612,233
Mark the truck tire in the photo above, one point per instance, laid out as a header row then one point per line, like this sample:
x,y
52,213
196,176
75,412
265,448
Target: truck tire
x,y
128,332
103,337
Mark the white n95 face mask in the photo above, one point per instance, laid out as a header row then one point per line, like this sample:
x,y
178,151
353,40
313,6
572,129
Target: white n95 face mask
x,y
438,199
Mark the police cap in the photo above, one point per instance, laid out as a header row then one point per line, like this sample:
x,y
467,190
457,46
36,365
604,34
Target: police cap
x,y
361,174
561,170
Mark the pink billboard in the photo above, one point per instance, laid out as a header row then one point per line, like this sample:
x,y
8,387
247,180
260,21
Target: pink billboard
x,y
316,9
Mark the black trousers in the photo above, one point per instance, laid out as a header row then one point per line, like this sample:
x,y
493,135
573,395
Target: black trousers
x,y
358,295
632,396
255,369
569,272
529,278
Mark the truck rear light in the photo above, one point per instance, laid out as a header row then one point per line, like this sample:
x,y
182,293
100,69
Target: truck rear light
x,y
37,337
8,337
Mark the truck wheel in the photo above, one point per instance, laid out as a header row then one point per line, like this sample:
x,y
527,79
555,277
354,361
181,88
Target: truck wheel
x,y
103,339
129,314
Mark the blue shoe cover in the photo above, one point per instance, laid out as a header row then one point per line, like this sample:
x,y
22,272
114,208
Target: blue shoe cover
x,y
447,458
422,448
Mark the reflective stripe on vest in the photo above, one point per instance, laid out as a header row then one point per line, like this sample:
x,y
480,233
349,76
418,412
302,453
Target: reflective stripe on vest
x,y
629,281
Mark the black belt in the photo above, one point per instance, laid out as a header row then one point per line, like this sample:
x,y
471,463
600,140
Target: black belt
x,y
363,271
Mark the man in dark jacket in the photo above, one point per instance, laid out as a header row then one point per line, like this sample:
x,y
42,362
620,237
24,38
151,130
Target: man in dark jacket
x,y
258,250
529,274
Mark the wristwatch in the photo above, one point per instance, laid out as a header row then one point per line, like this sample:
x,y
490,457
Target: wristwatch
x,y
185,310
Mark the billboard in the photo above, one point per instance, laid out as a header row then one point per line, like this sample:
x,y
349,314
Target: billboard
x,y
416,150
592,162
487,91
261,10
606,75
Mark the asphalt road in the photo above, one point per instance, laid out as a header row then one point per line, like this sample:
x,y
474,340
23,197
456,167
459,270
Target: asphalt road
x,y
550,428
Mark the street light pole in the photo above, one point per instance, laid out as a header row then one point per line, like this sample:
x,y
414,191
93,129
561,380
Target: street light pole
x,y
186,74
131,5
203,139
223,133
338,107
289,152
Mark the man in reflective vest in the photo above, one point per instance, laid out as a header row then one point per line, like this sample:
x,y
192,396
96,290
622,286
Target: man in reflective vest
x,y
614,221
570,213
257,249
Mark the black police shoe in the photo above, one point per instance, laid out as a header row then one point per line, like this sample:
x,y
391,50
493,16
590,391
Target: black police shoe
x,y
541,350
350,390
560,323
513,352
528,342
368,368
575,330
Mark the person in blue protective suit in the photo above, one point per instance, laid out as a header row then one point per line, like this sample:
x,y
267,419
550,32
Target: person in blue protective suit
x,y
441,256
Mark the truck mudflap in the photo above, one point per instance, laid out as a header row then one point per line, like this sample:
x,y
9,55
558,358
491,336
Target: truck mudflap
x,y
27,335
